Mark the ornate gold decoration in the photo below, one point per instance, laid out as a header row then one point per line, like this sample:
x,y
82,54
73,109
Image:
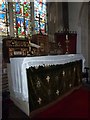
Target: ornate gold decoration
x,y
67,42
39,101
57,92
63,73
74,69
38,84
70,85
48,78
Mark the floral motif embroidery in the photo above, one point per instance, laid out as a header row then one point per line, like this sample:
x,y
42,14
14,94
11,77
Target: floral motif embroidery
x,y
48,78
39,100
38,84
57,92
74,69
63,73
70,85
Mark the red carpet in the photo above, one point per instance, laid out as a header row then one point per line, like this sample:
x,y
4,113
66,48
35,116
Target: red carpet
x,y
75,105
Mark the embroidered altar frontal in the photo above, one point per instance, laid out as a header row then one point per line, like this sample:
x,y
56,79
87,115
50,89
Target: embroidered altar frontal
x,y
47,84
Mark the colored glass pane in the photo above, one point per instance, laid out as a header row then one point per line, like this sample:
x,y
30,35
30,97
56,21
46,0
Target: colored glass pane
x,y
40,16
4,18
22,23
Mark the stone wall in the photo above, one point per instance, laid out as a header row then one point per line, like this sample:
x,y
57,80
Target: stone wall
x,y
78,21
89,36
55,18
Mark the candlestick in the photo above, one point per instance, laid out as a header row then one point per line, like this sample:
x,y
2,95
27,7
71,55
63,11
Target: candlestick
x,y
67,46
66,37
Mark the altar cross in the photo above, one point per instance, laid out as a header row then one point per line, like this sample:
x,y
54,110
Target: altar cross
x,y
39,23
48,78
39,100
16,28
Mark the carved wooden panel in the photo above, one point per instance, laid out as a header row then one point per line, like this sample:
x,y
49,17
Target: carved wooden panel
x,y
41,40
15,48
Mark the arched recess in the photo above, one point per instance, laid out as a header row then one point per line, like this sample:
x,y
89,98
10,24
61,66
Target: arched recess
x,y
82,24
80,13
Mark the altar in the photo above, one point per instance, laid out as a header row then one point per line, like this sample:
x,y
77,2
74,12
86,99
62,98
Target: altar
x,y
38,81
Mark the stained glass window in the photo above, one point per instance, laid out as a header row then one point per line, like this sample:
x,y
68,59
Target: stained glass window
x,y
4,18
40,16
22,17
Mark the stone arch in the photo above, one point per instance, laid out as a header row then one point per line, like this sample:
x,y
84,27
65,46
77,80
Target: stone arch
x,y
80,13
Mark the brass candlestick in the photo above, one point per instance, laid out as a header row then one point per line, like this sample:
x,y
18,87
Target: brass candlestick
x,y
67,46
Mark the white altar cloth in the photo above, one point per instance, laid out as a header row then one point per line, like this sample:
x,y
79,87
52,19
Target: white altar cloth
x,y
20,64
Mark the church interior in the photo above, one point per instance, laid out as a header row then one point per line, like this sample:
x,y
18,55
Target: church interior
x,y
44,59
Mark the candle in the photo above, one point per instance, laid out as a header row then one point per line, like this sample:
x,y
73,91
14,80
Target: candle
x,y
66,37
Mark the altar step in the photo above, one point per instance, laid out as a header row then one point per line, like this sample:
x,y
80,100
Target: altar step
x,y
17,114
74,106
